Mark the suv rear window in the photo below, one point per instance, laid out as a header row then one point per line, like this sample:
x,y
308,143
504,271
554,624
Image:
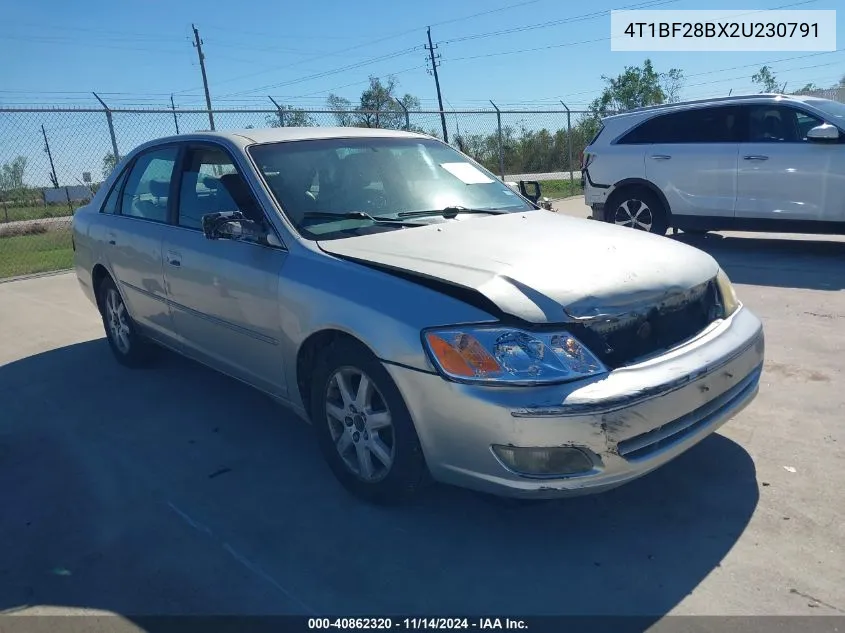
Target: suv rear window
x,y
704,125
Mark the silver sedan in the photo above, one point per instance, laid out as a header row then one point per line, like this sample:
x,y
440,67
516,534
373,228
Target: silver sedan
x,y
429,321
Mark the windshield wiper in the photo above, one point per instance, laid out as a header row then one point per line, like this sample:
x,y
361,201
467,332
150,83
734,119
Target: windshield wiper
x,y
351,215
449,212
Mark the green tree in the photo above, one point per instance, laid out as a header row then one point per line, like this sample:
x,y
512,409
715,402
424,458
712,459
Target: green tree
x,y
378,106
109,163
288,116
342,109
810,87
766,79
12,174
672,82
634,88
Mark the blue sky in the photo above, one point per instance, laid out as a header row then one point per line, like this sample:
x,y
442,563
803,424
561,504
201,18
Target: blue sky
x,y
56,52
136,54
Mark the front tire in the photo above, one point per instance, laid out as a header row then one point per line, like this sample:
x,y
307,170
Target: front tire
x,y
128,346
363,427
637,208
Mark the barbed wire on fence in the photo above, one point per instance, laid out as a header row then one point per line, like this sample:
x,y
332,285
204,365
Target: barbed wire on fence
x,y
83,142
52,160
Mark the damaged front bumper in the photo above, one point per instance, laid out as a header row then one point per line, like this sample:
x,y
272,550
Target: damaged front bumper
x,y
628,422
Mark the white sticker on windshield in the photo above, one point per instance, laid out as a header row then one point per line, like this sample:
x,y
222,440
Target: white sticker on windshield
x,y
468,174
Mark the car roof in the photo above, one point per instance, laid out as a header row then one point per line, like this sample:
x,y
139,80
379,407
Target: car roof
x,y
281,134
680,105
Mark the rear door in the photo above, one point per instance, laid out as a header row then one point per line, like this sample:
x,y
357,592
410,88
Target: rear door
x,y
134,220
691,156
224,293
782,175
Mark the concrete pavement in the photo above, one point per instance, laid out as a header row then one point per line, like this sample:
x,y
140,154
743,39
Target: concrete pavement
x,y
177,490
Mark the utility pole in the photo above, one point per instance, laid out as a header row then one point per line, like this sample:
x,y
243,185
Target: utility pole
x,y
198,45
175,120
434,64
53,177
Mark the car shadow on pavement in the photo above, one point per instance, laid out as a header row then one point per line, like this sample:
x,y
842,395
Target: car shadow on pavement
x,y
775,261
176,490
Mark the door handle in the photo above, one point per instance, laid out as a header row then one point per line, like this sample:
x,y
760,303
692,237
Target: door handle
x,y
661,156
112,239
174,258
756,157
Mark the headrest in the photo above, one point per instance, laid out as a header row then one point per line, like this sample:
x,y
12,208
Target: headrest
x,y
210,183
160,188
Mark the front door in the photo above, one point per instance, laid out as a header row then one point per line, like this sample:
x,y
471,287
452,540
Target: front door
x,y
223,294
782,175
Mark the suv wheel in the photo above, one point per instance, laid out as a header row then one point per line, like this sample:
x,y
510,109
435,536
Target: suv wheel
x,y
637,208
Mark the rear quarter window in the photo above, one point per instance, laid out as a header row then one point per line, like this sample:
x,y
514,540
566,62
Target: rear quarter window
x,y
111,205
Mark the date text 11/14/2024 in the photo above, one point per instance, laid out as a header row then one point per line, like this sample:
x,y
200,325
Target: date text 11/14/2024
x,y
414,624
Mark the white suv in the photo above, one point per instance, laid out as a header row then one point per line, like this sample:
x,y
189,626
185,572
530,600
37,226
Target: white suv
x,y
747,163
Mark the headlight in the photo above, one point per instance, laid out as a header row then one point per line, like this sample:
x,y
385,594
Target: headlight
x,y
726,293
509,356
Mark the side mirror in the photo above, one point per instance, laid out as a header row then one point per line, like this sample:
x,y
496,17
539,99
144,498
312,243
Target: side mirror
x,y
530,189
823,132
233,225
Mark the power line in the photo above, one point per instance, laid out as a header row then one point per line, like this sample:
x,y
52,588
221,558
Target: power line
x,y
282,49
487,12
40,26
292,64
593,41
362,45
547,24
703,73
363,81
87,44
327,73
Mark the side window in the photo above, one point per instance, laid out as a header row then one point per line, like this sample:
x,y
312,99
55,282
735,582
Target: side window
x,y
148,185
702,125
779,124
111,204
805,122
211,184
652,131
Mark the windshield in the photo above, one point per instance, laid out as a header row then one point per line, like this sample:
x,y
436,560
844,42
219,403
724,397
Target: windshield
x,y
335,188
831,108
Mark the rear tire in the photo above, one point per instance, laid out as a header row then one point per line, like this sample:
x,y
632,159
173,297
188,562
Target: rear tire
x,y
363,427
638,208
128,346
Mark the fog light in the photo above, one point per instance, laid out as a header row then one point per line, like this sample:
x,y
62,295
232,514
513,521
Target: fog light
x,y
544,462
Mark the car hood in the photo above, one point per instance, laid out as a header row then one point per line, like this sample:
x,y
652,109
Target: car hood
x,y
540,266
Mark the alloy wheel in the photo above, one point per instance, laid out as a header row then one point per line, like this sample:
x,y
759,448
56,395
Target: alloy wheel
x,y
117,321
635,214
360,424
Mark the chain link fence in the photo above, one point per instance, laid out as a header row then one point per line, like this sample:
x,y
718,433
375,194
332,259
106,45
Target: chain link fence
x,y
53,160
834,94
